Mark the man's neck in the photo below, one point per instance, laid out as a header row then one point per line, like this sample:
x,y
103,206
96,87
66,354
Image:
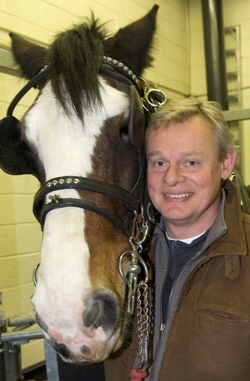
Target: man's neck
x,y
184,231
185,240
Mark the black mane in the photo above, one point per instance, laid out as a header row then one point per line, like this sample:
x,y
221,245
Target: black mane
x,y
75,58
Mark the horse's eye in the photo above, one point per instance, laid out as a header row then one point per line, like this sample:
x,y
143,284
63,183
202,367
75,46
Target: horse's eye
x,y
124,131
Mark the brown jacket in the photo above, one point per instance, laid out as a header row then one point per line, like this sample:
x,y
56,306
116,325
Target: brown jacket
x,y
208,336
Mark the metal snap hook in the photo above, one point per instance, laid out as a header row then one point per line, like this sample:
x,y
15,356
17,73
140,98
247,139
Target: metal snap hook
x,y
155,98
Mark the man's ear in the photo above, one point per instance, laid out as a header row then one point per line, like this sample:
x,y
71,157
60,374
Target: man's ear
x,y
229,163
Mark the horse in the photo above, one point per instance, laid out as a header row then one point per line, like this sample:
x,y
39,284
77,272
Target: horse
x,y
83,138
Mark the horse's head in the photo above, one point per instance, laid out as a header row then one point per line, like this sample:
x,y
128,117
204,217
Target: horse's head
x,y
83,138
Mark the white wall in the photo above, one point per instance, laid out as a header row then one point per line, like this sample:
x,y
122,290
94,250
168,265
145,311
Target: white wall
x,y
39,20
235,12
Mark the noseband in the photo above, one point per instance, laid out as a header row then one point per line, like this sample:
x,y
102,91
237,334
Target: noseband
x,y
140,217
83,183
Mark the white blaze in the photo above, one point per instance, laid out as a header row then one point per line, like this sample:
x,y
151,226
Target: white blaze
x,y
65,148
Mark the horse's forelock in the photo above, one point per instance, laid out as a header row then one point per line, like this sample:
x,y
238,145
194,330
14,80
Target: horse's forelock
x,y
75,58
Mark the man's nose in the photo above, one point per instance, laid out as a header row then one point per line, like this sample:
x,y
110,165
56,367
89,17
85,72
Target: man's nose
x,y
173,175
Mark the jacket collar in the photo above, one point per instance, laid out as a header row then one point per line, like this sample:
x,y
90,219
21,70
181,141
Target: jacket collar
x,y
228,227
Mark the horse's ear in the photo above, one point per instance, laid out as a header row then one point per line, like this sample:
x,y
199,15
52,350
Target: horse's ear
x,y
131,45
30,57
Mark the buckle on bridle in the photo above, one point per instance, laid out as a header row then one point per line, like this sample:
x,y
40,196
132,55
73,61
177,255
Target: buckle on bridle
x,y
152,98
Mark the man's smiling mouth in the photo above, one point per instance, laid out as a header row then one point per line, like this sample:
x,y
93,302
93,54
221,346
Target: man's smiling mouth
x,y
181,195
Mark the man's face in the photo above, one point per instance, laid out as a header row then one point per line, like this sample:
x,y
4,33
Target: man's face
x,y
185,176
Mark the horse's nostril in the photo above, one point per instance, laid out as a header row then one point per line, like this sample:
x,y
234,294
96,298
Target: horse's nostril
x,y
85,350
62,349
101,310
92,313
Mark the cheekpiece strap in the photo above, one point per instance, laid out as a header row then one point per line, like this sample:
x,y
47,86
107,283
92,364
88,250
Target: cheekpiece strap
x,y
34,81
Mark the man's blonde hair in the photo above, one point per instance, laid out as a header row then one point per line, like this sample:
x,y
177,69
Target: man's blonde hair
x,y
181,111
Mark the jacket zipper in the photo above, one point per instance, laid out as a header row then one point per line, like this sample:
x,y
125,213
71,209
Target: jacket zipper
x,y
162,329
160,336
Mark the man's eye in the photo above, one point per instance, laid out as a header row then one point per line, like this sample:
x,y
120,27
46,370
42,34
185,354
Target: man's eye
x,y
191,163
159,163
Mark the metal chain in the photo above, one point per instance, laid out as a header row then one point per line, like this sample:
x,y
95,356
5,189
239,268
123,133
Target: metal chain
x,y
142,323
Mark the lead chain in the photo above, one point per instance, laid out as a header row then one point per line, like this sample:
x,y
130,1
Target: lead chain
x,y
143,323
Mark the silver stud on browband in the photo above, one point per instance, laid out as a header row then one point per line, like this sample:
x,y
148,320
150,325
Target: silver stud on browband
x,y
69,180
119,64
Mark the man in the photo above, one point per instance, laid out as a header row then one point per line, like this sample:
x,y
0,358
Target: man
x,y
201,249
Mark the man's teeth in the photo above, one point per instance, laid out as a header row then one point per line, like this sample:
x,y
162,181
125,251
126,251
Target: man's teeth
x,y
182,195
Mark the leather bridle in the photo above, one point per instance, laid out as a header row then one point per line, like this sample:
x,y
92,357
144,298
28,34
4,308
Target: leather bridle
x,y
83,183
139,211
